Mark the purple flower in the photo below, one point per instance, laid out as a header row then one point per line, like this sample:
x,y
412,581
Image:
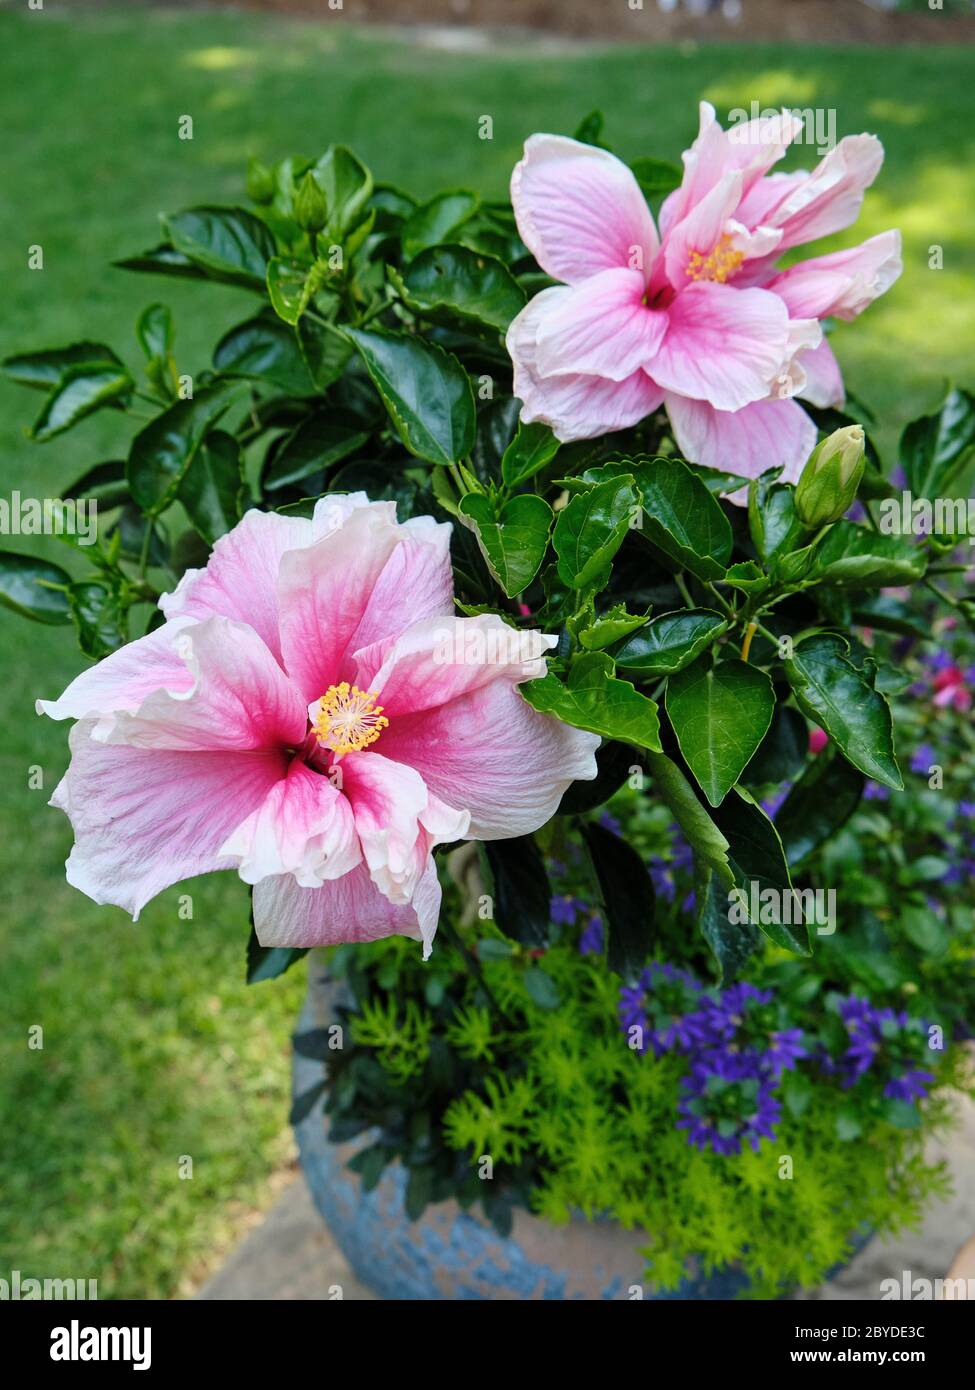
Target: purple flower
x,y
725,1101
591,940
662,1005
876,791
890,1046
744,1021
924,757
563,909
610,822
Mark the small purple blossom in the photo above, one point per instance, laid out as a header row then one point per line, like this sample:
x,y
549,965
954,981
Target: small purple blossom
x,y
564,908
591,940
886,1044
725,1101
923,758
662,1005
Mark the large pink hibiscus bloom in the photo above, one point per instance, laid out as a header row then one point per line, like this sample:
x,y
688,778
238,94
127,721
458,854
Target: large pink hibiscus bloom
x,y
312,715
699,318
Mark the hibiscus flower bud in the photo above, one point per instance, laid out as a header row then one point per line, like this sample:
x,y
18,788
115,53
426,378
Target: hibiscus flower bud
x,y
311,210
831,477
260,181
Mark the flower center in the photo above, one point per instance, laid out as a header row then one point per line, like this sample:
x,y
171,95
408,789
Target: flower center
x,y
718,264
348,719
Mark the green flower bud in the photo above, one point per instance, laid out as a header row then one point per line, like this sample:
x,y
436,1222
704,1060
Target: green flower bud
x,y
311,210
260,181
831,477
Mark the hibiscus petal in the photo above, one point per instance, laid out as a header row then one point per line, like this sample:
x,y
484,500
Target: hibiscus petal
x,y
697,234
829,199
823,384
575,406
146,818
842,284
601,328
241,574
492,754
397,820
303,827
324,594
438,659
123,680
747,441
240,700
580,210
723,345
350,908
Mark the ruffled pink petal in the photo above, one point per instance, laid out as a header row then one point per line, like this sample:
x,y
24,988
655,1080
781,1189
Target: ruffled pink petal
x,y
829,198
397,820
767,434
416,582
124,679
580,210
303,827
240,700
145,818
725,346
492,754
350,908
750,148
600,328
699,232
325,592
823,385
842,284
577,406
439,659
240,577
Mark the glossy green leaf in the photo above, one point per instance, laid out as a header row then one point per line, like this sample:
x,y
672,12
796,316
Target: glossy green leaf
x,y
857,557
513,539
656,177
325,352
46,369
699,829
830,690
34,588
783,751
425,390
265,349
934,448
287,287
162,452
457,281
610,627
226,241
761,874
316,445
519,888
823,800
99,618
104,483
720,715
590,530
681,518
592,698
628,899
432,223
347,185
155,332
531,449
732,943
81,391
212,487
669,643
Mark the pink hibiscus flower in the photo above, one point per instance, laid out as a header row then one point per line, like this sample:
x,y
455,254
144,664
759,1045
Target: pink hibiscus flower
x,y
699,318
313,715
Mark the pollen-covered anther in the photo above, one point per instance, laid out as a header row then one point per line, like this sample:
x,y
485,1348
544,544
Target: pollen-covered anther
x,y
348,719
718,264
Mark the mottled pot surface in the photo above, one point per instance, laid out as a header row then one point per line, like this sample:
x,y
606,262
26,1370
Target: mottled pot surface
x,y
450,1253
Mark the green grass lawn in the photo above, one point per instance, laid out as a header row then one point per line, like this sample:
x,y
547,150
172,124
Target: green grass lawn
x,y
153,1048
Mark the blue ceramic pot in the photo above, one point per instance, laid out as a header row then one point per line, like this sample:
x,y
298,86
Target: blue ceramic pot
x,y
454,1254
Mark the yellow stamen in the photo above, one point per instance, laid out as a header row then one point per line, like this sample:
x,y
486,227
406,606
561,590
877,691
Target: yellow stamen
x,y
348,719
718,264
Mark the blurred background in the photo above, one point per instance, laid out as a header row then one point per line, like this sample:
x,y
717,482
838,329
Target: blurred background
x,y
153,1046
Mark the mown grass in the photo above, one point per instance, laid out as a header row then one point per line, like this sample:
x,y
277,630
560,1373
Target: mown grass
x,y
153,1048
